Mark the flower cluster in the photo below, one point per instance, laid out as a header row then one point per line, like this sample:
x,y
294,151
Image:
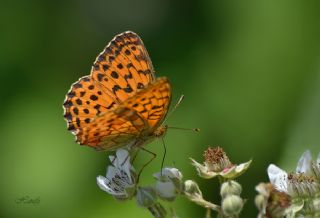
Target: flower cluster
x,y
217,164
121,182
291,194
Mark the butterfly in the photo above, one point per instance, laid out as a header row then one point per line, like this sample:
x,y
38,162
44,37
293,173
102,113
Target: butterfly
x,y
121,102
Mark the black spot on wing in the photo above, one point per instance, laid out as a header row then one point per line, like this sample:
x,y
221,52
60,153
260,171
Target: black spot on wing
x,y
140,86
114,74
128,89
100,76
86,111
93,97
76,111
116,88
79,102
120,66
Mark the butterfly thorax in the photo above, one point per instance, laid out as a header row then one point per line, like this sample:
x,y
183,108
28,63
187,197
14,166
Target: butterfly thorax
x,y
148,137
160,131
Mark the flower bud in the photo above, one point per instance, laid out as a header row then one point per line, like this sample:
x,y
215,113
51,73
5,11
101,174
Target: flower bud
x,y
146,196
166,190
232,205
230,188
168,183
192,189
260,202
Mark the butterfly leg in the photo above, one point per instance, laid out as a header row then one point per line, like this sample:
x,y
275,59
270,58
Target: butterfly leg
x,y
135,156
130,154
147,163
125,160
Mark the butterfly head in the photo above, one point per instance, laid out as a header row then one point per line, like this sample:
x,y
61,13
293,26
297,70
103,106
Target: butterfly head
x,y
160,131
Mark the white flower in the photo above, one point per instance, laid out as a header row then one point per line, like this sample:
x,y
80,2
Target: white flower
x,y
301,183
120,178
278,177
168,183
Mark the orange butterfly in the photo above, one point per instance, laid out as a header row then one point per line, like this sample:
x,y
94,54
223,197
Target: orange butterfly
x,y
121,102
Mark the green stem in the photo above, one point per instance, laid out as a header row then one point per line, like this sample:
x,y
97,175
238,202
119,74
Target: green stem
x,y
208,214
203,203
221,179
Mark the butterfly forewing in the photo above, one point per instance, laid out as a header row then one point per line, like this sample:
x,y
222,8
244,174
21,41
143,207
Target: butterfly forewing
x,y
123,67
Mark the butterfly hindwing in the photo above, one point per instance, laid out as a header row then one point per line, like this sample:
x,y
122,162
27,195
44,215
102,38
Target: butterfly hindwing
x,y
84,101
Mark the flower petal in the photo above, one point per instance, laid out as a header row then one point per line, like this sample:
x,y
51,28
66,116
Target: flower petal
x,y
124,161
203,170
111,172
168,173
304,163
173,173
103,184
278,177
121,159
235,171
166,190
112,159
318,160
294,208
243,166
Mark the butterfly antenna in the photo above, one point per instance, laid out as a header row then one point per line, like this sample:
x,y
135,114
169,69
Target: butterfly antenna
x,y
174,108
191,129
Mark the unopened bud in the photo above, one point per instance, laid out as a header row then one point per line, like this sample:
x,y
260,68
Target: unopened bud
x,y
260,202
230,188
232,205
192,189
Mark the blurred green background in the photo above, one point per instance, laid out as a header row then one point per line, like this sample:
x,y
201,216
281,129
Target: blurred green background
x,y
250,72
